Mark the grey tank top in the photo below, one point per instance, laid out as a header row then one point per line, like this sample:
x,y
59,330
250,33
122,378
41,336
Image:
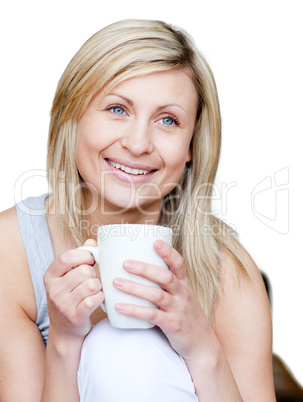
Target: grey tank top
x,y
39,251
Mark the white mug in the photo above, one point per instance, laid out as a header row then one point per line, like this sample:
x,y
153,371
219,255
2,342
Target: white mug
x,y
120,242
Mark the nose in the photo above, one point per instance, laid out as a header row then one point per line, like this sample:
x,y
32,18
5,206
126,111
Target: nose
x,y
137,139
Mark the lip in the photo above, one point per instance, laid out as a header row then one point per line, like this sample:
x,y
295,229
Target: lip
x,y
131,164
128,177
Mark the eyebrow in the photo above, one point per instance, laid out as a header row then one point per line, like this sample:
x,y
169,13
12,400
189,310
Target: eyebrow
x,y
122,97
132,103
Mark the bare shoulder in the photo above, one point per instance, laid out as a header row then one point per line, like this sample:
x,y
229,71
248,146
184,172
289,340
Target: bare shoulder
x,y
243,295
15,280
249,281
11,244
242,322
8,220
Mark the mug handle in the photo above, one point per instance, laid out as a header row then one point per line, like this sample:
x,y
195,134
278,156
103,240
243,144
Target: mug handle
x,y
95,254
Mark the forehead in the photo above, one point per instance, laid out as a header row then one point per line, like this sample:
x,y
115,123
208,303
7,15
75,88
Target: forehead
x,y
164,85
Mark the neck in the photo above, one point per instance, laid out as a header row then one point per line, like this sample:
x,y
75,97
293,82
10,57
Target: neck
x,y
99,216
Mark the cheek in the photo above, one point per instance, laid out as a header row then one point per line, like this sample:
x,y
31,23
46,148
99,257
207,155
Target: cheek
x,y
94,136
86,147
87,133
174,172
81,150
177,156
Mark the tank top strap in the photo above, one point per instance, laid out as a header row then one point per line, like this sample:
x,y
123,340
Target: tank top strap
x,y
34,230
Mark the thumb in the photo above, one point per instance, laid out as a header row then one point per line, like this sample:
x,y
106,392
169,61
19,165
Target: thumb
x,y
90,242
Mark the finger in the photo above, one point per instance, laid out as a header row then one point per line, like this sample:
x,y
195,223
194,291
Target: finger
x,y
86,289
172,258
89,304
160,318
164,277
61,288
169,323
68,260
76,276
153,294
151,314
90,242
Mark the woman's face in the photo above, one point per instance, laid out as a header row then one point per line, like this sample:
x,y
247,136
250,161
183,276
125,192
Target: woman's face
x,y
132,144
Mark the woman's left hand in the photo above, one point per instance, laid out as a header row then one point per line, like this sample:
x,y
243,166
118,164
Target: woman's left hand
x,y
179,314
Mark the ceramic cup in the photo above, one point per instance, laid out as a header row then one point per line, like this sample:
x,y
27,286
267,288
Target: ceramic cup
x,y
120,242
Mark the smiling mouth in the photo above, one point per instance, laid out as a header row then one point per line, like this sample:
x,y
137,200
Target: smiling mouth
x,y
129,170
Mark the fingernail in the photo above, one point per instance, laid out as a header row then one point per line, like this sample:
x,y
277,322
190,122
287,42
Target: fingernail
x,y
159,244
129,265
119,307
118,282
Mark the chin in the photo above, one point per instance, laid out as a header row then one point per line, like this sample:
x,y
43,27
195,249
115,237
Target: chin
x,y
151,210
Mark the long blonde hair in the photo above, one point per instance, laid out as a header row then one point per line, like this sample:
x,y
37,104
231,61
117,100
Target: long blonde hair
x,y
125,50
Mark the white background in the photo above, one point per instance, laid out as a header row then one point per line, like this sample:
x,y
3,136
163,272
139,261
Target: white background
x,y
255,50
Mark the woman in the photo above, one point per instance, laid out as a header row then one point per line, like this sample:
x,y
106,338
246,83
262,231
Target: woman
x,y
134,137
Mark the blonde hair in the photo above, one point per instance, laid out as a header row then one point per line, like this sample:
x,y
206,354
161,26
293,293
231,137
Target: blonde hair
x,y
125,50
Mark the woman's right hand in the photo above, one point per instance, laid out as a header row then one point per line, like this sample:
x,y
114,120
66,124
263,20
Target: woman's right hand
x,y
73,293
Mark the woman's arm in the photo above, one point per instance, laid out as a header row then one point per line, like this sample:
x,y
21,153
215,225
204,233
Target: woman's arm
x,y
22,355
216,360
73,293
243,326
22,350
28,369
61,365
240,347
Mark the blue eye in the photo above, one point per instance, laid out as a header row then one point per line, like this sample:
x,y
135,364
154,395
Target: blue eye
x,y
117,110
168,121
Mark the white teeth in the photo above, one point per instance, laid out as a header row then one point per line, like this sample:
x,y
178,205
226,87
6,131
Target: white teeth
x,y
128,169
